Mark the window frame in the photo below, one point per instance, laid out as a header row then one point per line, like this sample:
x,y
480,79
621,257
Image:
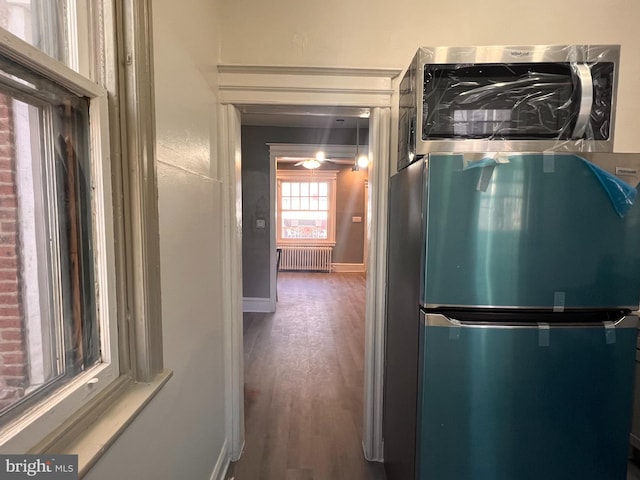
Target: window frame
x,y
86,415
329,176
61,403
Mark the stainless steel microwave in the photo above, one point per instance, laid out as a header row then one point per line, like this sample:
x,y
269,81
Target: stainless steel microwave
x,y
508,98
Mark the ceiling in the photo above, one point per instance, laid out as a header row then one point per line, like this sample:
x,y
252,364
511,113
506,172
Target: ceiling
x,y
305,117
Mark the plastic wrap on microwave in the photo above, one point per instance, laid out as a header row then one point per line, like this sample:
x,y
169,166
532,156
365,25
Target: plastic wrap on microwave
x,y
516,101
535,98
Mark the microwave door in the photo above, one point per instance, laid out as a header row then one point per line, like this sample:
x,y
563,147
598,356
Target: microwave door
x,y
584,79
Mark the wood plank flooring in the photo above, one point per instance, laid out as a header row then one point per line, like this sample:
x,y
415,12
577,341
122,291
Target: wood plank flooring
x,y
304,383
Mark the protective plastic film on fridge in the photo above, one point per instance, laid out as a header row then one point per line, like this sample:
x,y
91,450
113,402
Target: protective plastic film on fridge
x,y
510,342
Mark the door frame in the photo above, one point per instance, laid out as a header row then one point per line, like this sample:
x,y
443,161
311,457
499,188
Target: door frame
x,y
321,90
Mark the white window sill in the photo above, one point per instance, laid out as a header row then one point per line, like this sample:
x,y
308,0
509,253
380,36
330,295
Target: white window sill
x,y
99,424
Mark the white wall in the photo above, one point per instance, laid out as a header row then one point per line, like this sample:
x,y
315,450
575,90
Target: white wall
x,y
181,433
381,33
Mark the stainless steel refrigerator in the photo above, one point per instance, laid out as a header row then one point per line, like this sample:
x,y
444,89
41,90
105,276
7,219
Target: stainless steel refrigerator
x,y
510,333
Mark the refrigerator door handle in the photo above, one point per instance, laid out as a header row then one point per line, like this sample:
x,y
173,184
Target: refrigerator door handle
x,y
440,320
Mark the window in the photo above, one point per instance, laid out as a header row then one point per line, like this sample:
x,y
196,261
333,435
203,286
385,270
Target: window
x,y
64,237
51,332
306,207
56,300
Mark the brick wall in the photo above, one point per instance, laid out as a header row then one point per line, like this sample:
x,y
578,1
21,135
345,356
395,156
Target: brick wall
x,y
13,358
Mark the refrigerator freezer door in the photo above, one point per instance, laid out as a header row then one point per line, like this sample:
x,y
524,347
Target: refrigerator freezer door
x,y
541,231
527,402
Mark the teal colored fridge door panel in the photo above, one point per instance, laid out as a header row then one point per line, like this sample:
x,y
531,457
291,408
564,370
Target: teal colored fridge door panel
x,y
538,231
524,403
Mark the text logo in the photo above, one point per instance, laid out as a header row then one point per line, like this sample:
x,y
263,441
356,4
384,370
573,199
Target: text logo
x,y
51,467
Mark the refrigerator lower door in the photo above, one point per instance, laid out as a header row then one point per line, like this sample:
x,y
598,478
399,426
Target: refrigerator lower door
x,y
501,402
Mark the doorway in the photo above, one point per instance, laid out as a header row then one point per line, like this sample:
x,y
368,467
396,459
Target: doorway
x,y
281,87
304,382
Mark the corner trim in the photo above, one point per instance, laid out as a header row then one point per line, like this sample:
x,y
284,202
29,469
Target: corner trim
x,y
258,304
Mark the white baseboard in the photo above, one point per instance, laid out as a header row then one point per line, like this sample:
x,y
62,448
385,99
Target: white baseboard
x,y
222,465
348,267
257,304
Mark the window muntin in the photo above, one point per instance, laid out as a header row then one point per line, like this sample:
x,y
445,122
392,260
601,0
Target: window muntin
x,y
306,207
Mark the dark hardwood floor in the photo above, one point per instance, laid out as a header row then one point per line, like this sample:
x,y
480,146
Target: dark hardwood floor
x,y
304,383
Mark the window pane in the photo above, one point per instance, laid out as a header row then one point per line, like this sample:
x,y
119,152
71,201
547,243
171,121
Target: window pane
x,y
304,203
295,189
313,188
286,189
40,23
48,324
323,204
305,225
304,189
313,204
286,203
323,189
295,203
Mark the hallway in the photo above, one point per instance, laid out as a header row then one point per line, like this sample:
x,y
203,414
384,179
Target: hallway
x,y
304,383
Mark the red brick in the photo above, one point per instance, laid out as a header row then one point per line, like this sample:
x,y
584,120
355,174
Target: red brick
x,y
12,312
15,322
15,335
12,370
6,251
17,358
6,346
8,202
6,262
9,189
8,275
8,287
8,213
8,227
9,299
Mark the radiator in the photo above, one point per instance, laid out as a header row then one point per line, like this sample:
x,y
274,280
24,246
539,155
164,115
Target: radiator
x,y
306,258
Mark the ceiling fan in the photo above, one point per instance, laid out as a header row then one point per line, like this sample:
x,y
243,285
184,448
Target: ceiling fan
x,y
315,162
359,161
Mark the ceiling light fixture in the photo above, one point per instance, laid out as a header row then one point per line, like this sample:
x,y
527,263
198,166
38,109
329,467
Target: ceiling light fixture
x,y
311,163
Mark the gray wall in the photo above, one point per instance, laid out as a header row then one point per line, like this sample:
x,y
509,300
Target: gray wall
x,y
256,194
